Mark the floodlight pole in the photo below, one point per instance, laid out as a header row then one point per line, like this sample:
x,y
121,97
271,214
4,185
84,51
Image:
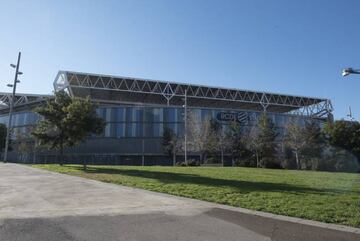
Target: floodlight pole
x,y
185,134
11,108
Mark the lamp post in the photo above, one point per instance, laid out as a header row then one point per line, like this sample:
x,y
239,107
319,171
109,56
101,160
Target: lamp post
x,y
17,73
348,71
185,127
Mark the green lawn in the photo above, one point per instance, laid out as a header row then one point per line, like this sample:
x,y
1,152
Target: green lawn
x,y
322,196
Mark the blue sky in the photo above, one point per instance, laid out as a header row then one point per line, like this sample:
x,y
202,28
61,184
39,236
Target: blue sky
x,y
284,46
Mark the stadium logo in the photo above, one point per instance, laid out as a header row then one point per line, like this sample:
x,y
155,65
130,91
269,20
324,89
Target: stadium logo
x,y
241,117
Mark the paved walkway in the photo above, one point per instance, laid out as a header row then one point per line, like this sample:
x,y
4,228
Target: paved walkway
x,y
40,205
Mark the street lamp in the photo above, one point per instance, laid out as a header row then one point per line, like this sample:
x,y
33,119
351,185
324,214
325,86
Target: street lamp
x,y
185,127
349,71
11,103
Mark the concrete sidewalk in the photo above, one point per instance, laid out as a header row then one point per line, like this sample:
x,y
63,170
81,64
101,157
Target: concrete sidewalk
x,y
40,205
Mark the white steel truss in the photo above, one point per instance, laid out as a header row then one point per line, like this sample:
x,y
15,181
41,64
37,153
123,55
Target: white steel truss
x,y
299,105
20,99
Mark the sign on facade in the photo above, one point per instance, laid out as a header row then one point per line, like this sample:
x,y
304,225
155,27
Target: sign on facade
x,y
241,117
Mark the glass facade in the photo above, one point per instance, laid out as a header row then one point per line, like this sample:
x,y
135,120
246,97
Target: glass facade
x,y
135,132
21,122
135,122
149,122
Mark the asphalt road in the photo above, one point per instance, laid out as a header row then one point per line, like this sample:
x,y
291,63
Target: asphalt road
x,y
37,205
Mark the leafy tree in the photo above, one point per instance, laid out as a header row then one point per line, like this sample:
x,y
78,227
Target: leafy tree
x,y
3,132
218,139
66,122
266,140
171,143
314,140
240,152
344,134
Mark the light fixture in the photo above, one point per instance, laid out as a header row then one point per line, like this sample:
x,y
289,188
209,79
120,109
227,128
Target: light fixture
x,y
348,71
10,85
13,65
20,73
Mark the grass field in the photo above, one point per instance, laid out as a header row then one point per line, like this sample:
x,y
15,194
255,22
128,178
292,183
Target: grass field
x,y
322,196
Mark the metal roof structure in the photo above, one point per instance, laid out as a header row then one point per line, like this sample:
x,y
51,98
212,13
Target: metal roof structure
x,y
118,89
20,100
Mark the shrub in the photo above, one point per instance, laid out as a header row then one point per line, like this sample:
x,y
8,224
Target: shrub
x,y
288,163
191,163
246,162
180,164
268,162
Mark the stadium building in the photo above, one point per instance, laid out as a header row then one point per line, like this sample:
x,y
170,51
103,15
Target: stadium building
x,y
137,111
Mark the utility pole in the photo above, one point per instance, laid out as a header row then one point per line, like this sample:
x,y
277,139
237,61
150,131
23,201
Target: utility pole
x,y
17,72
185,134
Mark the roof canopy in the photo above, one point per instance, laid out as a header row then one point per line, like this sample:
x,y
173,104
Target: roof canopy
x,y
117,89
20,100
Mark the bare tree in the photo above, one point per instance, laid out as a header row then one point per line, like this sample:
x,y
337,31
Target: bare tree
x,y
253,143
224,142
172,144
202,137
295,139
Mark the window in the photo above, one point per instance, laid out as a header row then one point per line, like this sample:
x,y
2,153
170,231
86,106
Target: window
x,y
279,120
157,114
153,129
133,114
133,130
107,130
101,112
170,115
171,126
120,130
117,114
153,114
206,115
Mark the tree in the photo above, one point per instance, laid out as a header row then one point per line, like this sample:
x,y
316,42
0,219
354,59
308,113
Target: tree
x,y
223,139
344,134
24,144
3,131
266,140
219,139
240,152
315,143
202,137
253,142
66,122
171,143
295,139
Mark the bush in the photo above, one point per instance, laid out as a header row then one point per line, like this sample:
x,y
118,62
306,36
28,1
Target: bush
x,y
180,164
191,163
248,162
288,163
338,160
270,163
